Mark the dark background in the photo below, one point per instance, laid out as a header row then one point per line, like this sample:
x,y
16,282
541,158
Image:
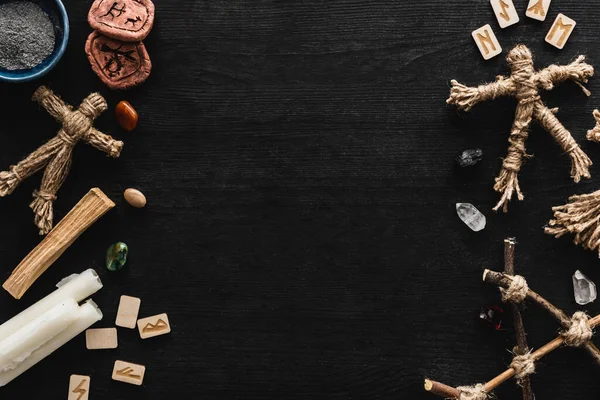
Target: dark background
x,y
301,230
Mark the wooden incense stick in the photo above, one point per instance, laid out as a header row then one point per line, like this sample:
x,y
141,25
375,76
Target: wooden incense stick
x,y
89,209
446,391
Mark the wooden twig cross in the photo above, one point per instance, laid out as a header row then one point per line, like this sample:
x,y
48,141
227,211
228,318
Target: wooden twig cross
x,y
577,332
524,84
55,155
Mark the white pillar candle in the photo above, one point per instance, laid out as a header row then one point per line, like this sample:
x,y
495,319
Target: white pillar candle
x,y
37,332
79,287
86,316
18,346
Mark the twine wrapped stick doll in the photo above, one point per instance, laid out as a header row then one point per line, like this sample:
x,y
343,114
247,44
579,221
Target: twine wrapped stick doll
x,y
56,154
581,216
524,84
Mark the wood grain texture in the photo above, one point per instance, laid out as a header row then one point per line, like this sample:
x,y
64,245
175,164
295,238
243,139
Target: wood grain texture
x,y
301,231
92,206
79,387
101,338
127,313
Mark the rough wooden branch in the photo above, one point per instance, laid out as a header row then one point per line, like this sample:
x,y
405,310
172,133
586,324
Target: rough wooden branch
x,y
521,337
509,373
509,255
439,389
503,280
537,355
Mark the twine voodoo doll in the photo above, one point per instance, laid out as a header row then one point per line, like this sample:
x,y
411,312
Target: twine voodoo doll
x,y
56,154
524,84
581,215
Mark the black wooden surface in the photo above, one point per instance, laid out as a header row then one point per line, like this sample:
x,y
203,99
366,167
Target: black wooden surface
x,y
301,230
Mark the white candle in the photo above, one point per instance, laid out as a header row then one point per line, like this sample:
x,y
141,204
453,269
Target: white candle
x,y
87,315
18,346
37,332
79,288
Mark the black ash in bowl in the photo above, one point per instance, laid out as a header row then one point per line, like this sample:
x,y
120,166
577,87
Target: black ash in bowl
x,y
26,35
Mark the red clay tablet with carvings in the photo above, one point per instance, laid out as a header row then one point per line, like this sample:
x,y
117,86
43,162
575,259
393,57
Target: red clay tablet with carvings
x,y
120,65
125,20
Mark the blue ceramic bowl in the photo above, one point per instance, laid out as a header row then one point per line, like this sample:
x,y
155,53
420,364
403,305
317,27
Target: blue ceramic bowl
x,y
58,15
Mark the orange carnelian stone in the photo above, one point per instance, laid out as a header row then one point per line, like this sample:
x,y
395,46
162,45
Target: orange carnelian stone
x,y
127,117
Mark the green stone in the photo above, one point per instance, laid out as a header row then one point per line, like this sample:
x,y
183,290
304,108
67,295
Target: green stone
x,y
116,256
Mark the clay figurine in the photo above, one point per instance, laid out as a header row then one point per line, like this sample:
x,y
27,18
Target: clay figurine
x,y
120,65
124,20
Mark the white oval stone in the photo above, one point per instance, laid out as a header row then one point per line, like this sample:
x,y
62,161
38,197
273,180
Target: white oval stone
x,y
135,198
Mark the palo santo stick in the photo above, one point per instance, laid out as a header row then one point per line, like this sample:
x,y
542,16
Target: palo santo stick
x,y
89,209
442,390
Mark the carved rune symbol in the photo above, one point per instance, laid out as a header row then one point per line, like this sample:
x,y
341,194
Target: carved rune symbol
x,y
538,8
79,389
115,7
128,372
114,63
566,29
133,21
504,14
483,39
160,325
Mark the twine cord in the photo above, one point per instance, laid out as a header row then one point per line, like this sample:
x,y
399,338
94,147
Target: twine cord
x,y
524,365
594,134
579,333
13,170
56,154
44,195
580,217
516,292
9,180
474,392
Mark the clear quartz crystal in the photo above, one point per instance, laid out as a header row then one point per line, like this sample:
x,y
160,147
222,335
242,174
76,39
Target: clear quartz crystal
x,y
585,289
471,216
469,157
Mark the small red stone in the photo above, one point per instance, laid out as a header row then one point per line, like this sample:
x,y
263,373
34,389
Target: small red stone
x,y
127,117
491,317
